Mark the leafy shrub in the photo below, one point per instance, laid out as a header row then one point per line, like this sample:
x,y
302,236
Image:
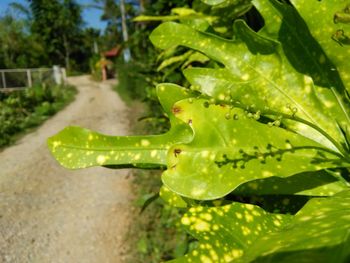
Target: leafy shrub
x,y
27,108
156,230
132,83
258,149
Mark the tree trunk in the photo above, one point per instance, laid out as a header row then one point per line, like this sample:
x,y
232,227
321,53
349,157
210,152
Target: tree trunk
x,y
142,6
67,52
126,52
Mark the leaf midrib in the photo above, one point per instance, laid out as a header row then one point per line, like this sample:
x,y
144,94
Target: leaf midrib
x,y
136,148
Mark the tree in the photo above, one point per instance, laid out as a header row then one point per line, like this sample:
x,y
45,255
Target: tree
x,y
19,48
118,15
58,25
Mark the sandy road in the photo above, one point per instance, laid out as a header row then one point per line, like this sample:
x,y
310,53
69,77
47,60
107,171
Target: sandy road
x,y
50,214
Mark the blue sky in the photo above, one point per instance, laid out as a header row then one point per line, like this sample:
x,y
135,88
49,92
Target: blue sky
x,y
90,15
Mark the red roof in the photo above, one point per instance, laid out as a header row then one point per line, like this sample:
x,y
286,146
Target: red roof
x,y
113,52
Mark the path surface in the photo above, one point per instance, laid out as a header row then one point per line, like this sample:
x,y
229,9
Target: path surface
x,y
50,214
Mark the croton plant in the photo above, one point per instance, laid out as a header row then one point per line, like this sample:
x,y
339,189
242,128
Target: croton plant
x,y
258,151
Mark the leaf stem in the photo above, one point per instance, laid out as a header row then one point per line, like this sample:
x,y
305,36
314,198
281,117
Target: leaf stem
x,y
340,103
312,125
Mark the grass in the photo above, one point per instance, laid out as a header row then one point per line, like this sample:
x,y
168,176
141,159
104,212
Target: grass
x,y
156,234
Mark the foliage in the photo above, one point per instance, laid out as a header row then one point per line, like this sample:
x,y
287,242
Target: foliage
x,y
20,110
132,83
258,148
64,22
156,230
46,33
19,49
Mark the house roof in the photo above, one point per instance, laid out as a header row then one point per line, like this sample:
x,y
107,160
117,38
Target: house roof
x,y
113,52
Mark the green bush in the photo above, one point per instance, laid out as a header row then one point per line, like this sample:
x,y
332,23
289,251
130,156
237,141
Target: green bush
x,y
20,110
132,82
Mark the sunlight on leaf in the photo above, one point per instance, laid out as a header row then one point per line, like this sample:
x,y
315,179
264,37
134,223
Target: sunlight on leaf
x,y
76,147
231,148
242,233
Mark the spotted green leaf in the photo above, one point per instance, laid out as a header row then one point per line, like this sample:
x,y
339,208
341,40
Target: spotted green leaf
x,y
242,233
171,198
319,232
76,147
230,148
176,14
306,54
326,24
259,70
224,233
187,16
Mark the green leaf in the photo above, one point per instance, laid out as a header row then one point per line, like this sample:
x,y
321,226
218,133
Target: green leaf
x,y
213,2
187,16
332,35
143,18
218,2
230,148
272,19
283,22
265,77
224,233
174,59
76,147
177,14
195,57
171,198
319,232
282,204
319,183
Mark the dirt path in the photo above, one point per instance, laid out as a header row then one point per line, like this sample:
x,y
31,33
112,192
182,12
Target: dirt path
x,y
50,214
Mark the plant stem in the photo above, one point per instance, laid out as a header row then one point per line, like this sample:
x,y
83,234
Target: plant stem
x,y
312,125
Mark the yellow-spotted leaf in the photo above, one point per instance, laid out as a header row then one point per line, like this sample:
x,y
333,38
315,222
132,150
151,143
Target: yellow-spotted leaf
x,y
242,233
298,37
319,232
230,148
224,233
260,76
76,147
327,23
172,198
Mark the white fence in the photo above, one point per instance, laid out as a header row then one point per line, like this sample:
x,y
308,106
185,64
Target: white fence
x,y
17,79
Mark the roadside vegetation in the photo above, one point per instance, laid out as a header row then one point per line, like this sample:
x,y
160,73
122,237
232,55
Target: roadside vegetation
x,y
24,109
